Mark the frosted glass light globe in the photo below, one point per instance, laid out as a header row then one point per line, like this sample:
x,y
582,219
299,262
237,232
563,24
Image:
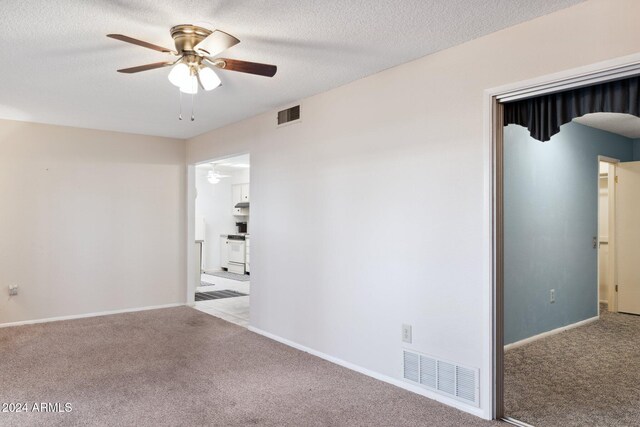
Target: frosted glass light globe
x,y
179,74
190,85
209,78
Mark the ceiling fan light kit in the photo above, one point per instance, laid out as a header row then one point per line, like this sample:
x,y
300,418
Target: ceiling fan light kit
x,y
208,78
196,48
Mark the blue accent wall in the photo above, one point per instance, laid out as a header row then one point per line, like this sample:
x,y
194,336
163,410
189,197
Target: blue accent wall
x,y
636,150
550,219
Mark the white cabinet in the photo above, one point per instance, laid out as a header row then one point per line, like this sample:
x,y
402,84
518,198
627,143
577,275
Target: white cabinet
x,y
236,197
224,252
239,194
244,192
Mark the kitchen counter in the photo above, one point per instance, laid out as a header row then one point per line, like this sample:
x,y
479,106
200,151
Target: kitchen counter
x,y
237,236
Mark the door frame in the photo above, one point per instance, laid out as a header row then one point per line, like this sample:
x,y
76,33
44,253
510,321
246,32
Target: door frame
x,y
494,187
193,271
612,300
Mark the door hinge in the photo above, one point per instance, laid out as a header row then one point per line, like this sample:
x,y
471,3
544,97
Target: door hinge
x,y
616,288
616,179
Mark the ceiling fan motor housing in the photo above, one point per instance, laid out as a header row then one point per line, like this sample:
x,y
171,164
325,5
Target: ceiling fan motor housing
x,y
187,36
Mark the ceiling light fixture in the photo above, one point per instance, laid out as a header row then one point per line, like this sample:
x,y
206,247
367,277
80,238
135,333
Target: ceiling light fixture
x,y
196,48
178,74
187,78
208,78
214,177
188,74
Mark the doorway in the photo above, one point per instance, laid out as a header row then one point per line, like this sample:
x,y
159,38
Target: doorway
x,y
223,239
607,295
557,327
596,73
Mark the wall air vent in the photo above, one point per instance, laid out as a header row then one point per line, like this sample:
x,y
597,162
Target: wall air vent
x,y
289,115
449,379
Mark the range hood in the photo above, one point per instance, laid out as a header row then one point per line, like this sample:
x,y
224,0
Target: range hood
x,y
242,205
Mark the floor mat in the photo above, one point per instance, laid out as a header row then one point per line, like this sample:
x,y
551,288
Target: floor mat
x,y
232,276
227,293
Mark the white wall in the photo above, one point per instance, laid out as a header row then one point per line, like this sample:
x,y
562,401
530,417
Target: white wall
x,y
214,204
90,221
374,205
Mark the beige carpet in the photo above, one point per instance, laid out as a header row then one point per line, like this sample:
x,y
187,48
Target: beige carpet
x,y
181,367
587,376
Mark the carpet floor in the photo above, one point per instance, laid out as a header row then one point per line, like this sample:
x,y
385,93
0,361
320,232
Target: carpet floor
x,y
586,376
181,367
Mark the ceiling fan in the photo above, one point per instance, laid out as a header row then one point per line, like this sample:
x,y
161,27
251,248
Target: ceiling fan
x,y
214,176
195,49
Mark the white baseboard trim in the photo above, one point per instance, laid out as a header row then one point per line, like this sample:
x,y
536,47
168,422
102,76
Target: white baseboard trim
x,y
549,333
396,382
82,316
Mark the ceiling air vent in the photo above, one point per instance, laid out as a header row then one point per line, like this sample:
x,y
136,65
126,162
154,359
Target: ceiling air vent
x,y
458,382
289,115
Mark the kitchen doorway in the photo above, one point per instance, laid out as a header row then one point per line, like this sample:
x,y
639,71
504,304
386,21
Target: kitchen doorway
x,y
223,239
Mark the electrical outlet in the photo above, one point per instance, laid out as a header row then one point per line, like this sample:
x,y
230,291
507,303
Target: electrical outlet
x,y
406,333
13,290
552,296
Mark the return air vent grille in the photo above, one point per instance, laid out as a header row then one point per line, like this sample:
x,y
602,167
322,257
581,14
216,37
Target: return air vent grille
x,y
411,366
446,378
428,373
289,115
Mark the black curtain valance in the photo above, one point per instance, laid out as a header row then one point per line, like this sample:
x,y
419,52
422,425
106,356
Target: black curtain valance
x,y
543,115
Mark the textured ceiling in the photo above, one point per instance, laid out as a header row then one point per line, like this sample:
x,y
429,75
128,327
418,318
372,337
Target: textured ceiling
x,y
622,124
60,68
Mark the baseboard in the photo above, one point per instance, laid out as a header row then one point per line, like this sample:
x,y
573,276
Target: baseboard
x,y
82,316
549,333
393,381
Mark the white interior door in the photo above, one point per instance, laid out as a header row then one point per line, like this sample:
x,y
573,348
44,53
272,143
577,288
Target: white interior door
x,y
628,236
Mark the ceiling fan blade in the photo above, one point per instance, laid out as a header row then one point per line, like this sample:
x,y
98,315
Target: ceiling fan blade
x,y
245,66
216,42
131,40
145,67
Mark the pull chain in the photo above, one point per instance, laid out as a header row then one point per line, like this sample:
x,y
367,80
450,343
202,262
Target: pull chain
x,y
193,102
180,111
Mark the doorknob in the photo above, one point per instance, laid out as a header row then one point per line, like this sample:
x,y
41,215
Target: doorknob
x,y
595,242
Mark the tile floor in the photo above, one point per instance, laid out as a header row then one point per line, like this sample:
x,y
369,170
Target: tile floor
x,y
234,310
